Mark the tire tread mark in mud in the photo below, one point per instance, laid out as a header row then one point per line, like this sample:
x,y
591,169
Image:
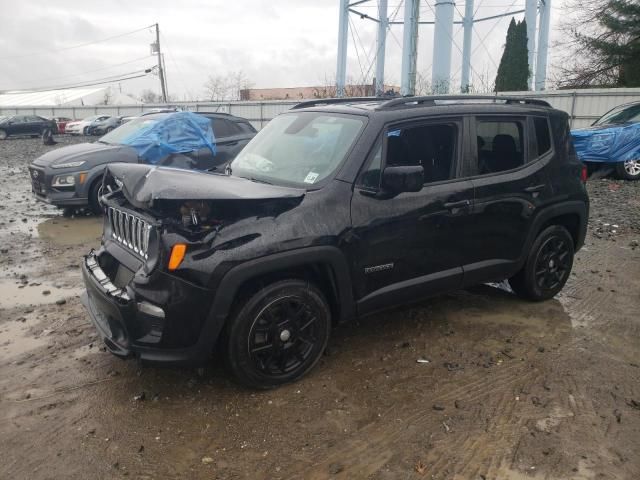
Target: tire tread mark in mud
x,y
357,454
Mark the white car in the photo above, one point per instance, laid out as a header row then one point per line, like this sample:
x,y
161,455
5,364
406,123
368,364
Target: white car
x,y
81,127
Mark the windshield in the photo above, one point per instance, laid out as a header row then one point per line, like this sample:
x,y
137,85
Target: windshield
x,y
126,130
621,114
298,148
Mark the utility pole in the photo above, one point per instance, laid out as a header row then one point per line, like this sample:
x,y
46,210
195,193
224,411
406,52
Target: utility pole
x,y
163,85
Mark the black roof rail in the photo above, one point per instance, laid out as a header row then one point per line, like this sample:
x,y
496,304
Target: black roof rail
x,y
333,101
431,100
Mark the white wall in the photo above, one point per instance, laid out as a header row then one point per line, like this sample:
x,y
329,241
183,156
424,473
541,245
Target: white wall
x,y
584,106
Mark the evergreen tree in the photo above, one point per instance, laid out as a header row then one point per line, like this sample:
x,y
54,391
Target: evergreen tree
x,y
606,43
513,71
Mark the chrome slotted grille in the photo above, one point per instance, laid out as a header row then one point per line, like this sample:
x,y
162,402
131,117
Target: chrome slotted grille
x,y
130,231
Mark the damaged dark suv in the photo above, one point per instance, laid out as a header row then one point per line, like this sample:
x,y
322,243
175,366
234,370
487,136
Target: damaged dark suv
x,y
336,209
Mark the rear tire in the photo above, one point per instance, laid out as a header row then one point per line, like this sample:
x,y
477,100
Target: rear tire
x,y
629,170
547,267
278,335
94,196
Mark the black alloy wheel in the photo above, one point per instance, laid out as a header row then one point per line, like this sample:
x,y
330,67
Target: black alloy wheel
x,y
548,265
553,264
279,334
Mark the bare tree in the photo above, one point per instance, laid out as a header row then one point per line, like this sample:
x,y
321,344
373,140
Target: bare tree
x,y
227,87
149,96
216,88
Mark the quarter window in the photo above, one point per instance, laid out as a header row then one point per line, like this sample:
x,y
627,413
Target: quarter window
x,y
500,145
543,137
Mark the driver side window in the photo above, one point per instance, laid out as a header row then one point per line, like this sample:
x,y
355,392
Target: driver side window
x,y
431,146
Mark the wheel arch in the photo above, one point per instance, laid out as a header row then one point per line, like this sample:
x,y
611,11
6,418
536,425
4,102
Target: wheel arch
x,y
326,266
571,215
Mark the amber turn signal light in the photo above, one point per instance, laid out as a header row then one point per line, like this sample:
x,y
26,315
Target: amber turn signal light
x,y
177,255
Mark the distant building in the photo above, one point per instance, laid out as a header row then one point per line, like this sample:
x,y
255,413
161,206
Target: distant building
x,y
300,93
73,97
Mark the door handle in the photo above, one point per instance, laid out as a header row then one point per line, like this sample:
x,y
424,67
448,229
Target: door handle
x,y
454,205
535,188
231,144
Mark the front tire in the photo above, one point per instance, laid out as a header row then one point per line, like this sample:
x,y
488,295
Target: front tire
x,y
94,196
629,170
278,335
547,267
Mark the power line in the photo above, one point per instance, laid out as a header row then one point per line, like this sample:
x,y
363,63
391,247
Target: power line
x,y
96,70
89,83
47,52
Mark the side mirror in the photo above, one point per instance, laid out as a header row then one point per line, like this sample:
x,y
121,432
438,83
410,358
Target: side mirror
x,y
403,179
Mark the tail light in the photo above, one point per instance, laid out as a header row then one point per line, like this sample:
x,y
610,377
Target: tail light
x,y
584,174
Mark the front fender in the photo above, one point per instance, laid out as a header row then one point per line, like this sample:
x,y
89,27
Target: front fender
x,y
232,281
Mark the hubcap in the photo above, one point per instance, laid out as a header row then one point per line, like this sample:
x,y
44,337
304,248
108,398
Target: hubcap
x,y
632,167
554,263
283,336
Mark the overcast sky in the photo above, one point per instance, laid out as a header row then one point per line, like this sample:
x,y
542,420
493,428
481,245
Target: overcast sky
x,y
281,43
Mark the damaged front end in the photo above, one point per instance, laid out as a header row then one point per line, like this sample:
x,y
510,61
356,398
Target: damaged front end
x,y
149,288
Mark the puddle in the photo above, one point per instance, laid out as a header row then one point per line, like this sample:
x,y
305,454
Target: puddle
x,y
71,231
14,294
15,339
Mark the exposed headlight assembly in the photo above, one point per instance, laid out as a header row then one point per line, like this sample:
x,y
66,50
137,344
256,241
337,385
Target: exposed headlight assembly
x,y
78,163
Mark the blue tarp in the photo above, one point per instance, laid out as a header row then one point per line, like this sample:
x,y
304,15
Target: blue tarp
x,y
178,132
615,143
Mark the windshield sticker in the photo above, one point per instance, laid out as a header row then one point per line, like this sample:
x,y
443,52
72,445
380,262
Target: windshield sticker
x,y
393,133
311,177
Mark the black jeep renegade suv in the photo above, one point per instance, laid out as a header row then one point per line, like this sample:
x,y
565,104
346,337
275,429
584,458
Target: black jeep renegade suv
x,y
336,209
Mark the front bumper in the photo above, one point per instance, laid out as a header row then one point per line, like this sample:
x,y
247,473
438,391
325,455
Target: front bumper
x,y
43,191
129,321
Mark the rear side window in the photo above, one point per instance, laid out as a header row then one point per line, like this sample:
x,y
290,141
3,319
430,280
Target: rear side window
x,y
543,137
245,127
223,128
500,145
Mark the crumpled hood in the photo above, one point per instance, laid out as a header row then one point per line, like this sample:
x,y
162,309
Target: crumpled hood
x,y
143,185
608,143
81,151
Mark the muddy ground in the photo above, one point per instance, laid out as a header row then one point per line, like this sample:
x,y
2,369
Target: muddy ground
x,y
512,390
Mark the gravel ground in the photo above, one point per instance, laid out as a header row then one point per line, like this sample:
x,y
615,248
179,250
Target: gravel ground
x,y
511,389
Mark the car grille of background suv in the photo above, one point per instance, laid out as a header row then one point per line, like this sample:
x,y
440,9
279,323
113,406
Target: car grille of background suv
x,y
130,231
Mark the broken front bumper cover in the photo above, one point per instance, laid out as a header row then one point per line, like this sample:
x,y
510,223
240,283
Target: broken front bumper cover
x,y
130,326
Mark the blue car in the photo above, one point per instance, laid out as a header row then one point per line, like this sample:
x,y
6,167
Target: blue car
x,y
613,139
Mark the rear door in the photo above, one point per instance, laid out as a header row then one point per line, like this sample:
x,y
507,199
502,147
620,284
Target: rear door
x,y
409,246
510,184
19,125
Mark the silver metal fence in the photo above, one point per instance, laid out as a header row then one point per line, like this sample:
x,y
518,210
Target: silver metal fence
x,y
583,106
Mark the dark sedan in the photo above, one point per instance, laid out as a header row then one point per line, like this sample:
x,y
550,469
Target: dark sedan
x,y
71,176
100,127
25,125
